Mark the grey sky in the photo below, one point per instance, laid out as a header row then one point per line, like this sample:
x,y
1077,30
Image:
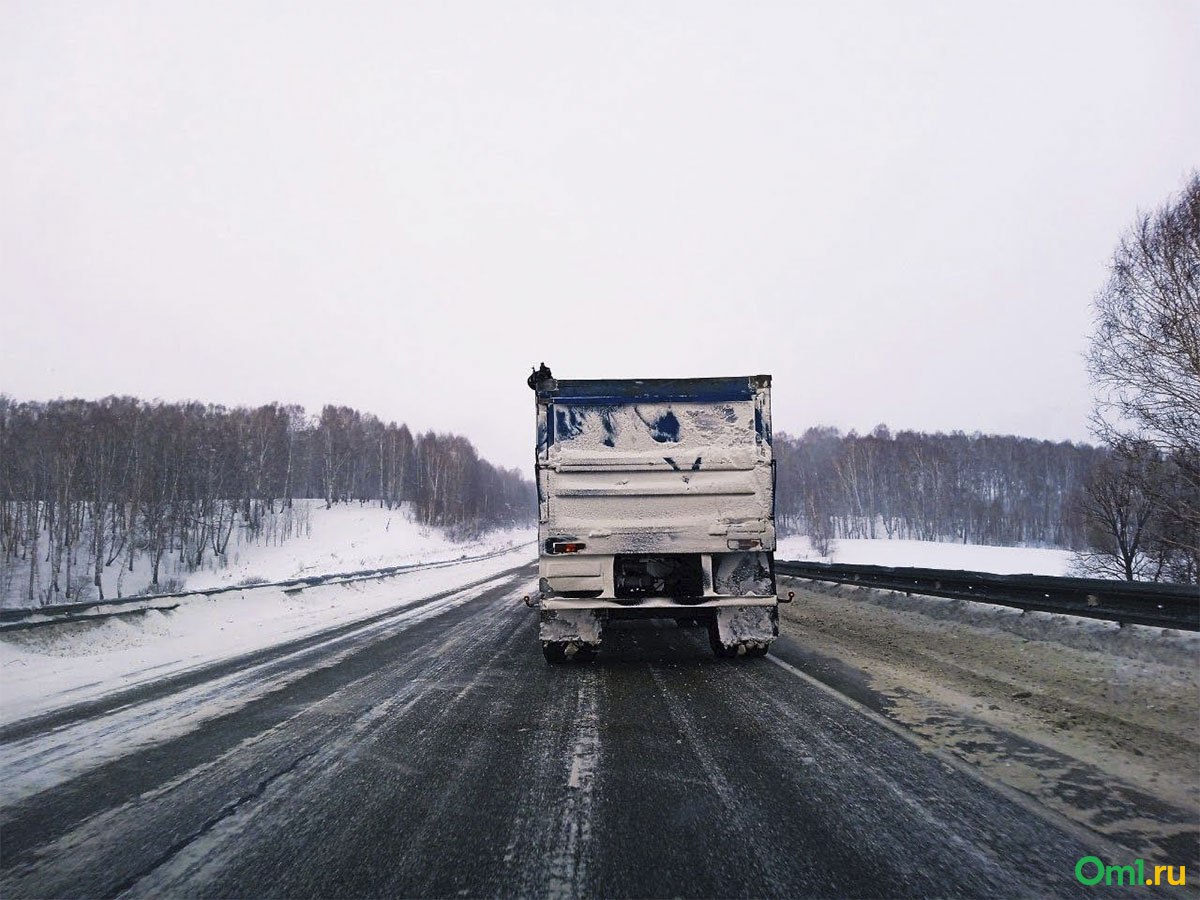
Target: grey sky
x,y
900,210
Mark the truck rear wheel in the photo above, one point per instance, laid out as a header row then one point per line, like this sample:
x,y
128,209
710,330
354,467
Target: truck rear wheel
x,y
749,649
714,640
564,651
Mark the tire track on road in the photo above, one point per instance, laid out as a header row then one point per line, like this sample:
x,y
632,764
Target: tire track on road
x,y
569,856
448,759
77,823
332,783
173,684
40,762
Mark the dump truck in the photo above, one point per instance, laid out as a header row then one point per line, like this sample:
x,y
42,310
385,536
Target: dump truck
x,y
656,500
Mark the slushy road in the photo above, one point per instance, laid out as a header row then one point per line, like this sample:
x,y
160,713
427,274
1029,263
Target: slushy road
x,y
435,754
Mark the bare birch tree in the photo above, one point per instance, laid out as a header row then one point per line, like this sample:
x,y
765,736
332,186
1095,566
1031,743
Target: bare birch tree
x,y
1144,360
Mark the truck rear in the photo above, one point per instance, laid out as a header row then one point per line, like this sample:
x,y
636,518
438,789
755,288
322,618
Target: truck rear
x,y
656,499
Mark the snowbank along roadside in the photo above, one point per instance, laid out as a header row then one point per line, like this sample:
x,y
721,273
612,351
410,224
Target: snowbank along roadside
x,y
48,668
933,555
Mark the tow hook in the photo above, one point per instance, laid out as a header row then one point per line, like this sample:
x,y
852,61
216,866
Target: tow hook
x,y
529,602
790,597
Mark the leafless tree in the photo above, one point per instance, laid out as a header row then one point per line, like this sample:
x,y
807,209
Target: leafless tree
x,y
1120,513
1145,353
1144,360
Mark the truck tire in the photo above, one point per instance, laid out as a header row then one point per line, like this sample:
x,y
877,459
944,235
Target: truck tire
x,y
586,654
714,641
750,651
556,652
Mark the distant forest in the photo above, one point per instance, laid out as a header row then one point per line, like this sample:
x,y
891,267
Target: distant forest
x,y
970,488
90,484
86,485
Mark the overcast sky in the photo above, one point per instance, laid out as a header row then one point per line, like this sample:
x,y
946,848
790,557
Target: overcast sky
x,y
899,210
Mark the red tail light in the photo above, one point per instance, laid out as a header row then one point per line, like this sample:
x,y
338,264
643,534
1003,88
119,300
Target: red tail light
x,y
567,546
744,544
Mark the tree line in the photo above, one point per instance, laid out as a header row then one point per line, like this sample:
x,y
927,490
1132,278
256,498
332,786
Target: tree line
x,y
85,485
969,488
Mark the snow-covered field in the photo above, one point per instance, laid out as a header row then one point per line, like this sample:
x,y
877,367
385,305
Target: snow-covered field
x,y
933,555
345,538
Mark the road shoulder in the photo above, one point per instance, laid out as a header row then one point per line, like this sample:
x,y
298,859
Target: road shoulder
x,y
1098,725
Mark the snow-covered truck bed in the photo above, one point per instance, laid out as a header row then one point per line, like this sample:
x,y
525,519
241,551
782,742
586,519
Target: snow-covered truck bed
x,y
656,499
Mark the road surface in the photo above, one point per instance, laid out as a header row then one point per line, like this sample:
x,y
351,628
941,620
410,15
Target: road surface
x,y
434,753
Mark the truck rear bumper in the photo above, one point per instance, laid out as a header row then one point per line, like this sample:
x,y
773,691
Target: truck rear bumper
x,y
662,579
736,624
665,603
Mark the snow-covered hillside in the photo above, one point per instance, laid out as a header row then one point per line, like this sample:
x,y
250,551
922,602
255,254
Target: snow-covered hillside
x,y
933,555
344,538
307,539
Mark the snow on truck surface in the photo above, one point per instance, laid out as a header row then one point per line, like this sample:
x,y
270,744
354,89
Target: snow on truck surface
x,y
655,500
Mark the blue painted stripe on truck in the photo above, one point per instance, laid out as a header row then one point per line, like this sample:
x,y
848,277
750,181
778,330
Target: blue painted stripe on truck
x,y
657,390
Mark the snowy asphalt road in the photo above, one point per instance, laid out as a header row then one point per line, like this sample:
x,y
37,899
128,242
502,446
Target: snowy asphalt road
x,y
434,753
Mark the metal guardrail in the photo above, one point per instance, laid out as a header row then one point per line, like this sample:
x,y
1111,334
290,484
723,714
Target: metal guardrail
x,y
21,618
1125,602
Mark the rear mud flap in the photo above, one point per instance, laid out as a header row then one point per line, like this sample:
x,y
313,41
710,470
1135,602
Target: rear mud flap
x,y
747,626
571,626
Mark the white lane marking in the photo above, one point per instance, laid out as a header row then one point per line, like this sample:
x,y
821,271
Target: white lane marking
x,y
1020,798
882,781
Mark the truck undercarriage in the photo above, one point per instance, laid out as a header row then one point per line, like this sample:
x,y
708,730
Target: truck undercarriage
x,y
730,594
